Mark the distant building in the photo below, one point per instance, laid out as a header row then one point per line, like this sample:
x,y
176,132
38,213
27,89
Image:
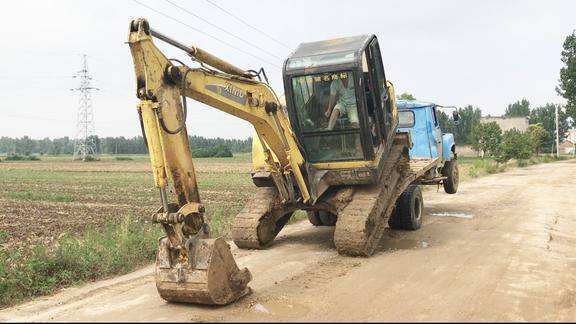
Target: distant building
x,y
571,135
506,123
567,147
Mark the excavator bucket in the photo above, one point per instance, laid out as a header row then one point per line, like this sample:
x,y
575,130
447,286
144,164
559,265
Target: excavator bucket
x,y
208,276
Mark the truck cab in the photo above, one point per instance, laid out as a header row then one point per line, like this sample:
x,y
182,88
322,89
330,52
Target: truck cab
x,y
420,119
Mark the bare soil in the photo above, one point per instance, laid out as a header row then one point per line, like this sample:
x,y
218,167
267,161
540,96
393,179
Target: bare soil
x,y
502,249
43,200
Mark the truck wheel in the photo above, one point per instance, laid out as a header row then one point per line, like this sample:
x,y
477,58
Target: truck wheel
x,y
407,214
314,218
450,170
327,218
321,218
393,221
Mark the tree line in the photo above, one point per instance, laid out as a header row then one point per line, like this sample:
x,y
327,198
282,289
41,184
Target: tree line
x,y
541,133
468,131
542,115
113,145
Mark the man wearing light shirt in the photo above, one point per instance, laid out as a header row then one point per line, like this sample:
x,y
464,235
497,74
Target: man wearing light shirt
x,y
342,102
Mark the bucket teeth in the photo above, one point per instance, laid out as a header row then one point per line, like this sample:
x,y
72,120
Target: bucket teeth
x,y
209,276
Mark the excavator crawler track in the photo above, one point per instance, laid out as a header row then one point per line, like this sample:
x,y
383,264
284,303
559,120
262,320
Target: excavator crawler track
x,y
362,222
256,226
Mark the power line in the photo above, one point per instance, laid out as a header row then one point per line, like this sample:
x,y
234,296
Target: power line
x,y
224,30
206,34
249,25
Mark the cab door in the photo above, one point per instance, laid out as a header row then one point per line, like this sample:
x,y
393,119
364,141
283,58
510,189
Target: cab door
x,y
382,111
435,134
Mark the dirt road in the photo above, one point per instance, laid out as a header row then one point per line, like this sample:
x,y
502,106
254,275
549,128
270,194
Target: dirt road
x,y
502,249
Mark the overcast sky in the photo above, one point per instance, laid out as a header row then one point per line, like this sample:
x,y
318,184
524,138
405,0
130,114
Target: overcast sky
x,y
484,53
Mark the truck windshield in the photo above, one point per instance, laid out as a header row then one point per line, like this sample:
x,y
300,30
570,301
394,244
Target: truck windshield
x,y
325,106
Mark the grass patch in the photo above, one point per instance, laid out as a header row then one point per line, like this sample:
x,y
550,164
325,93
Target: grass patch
x,y
474,167
89,158
522,163
298,216
124,158
116,248
3,236
17,157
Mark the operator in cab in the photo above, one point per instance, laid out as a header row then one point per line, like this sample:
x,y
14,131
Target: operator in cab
x,y
342,102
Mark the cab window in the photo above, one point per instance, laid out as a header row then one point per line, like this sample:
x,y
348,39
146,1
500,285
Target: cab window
x,y
405,119
327,115
312,94
434,116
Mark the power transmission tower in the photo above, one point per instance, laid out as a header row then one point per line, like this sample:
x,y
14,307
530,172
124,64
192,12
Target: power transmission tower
x,y
84,145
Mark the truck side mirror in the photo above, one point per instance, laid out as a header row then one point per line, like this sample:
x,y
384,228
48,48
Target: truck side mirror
x,y
455,115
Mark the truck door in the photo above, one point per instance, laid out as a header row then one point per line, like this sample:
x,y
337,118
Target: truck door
x,y
436,139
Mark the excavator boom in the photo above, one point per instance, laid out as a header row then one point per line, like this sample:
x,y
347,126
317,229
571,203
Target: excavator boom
x,y
190,267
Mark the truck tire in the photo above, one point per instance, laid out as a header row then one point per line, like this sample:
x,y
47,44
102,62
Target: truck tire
x,y
407,214
450,171
321,218
393,221
314,218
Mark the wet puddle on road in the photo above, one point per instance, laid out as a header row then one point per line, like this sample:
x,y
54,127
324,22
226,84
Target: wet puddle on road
x,y
391,243
281,308
453,214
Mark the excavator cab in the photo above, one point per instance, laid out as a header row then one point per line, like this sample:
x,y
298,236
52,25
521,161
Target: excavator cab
x,y
350,70
341,108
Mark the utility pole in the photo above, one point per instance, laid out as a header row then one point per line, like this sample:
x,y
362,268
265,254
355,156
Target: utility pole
x,y
557,134
84,145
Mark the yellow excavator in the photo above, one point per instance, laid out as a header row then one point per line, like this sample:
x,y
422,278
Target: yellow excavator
x,y
332,150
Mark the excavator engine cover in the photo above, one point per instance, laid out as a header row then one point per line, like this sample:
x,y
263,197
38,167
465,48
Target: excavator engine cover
x,y
208,276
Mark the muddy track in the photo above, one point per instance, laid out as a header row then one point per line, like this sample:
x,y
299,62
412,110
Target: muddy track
x,y
502,249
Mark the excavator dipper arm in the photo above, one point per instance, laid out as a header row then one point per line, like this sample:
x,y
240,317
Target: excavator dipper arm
x,y
190,267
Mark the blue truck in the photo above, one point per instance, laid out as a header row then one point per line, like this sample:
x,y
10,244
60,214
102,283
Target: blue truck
x,y
433,160
420,119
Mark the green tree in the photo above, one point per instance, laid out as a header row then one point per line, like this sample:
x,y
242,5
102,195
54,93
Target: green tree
x,y
406,96
518,109
538,135
26,146
469,117
546,116
567,86
486,138
445,121
515,145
